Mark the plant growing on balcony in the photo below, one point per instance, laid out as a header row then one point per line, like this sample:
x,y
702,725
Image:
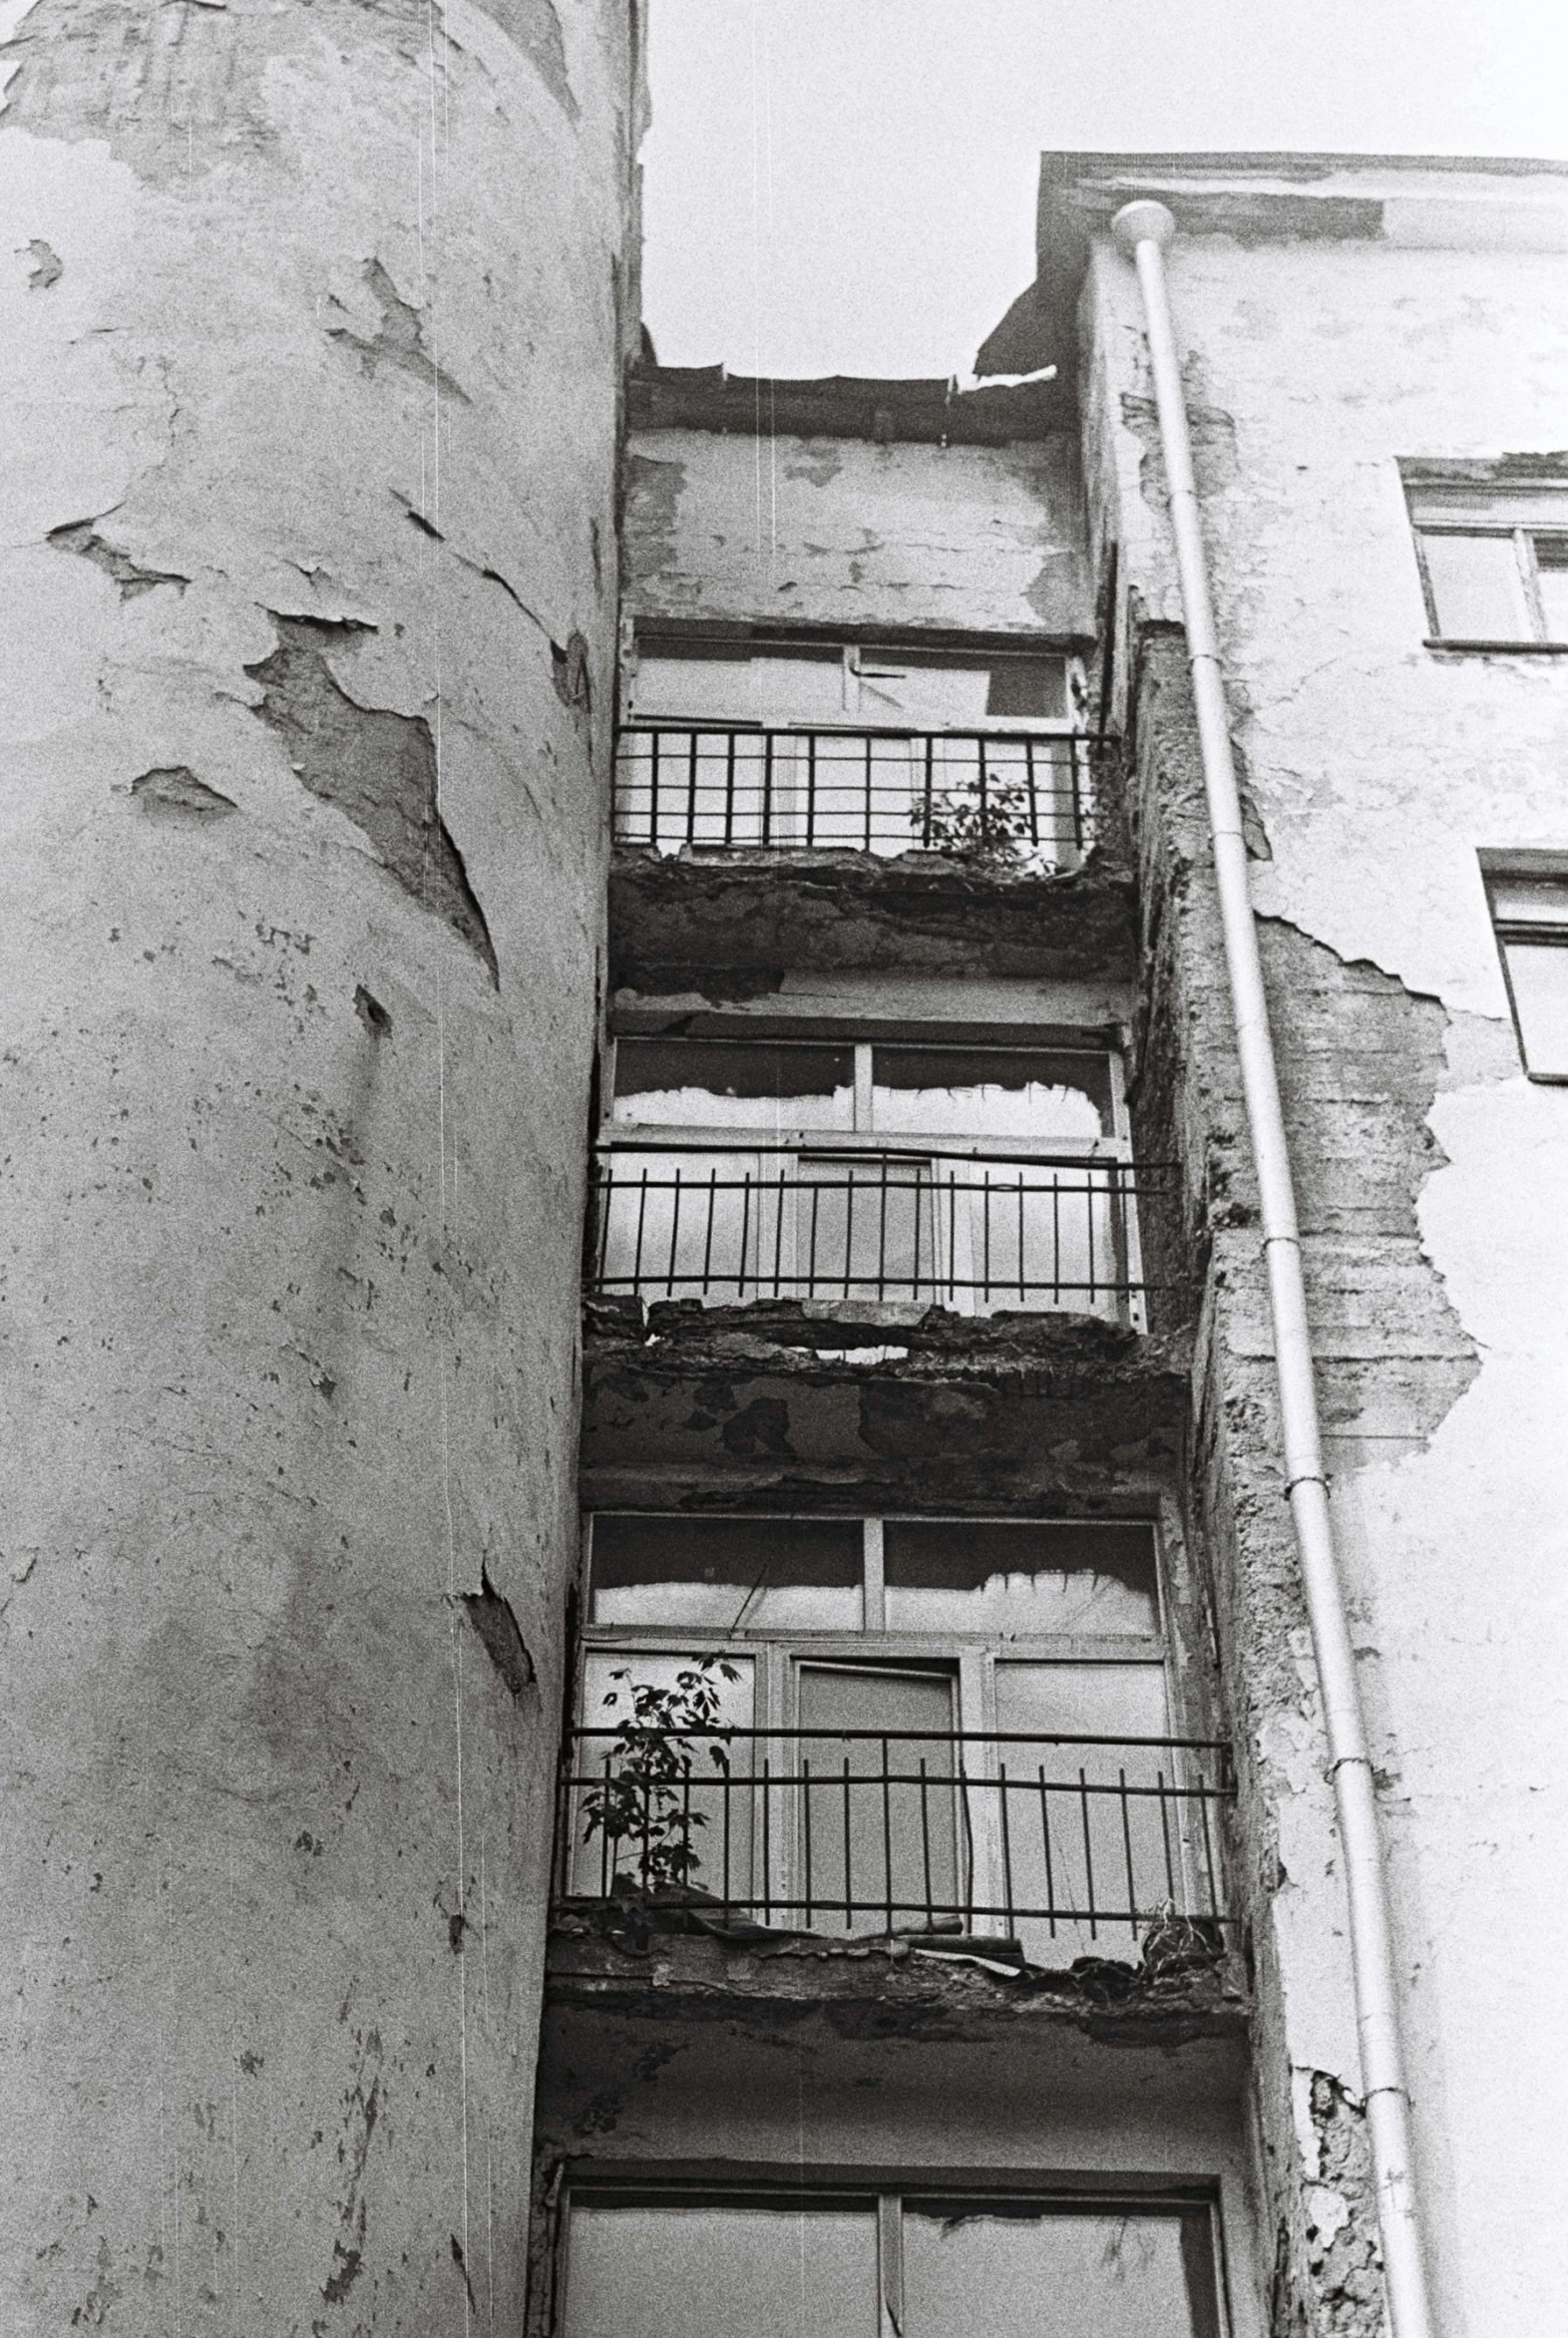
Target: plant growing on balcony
x,y
996,823
644,1801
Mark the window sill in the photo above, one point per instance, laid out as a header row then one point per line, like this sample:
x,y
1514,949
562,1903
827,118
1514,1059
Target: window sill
x,y
1501,648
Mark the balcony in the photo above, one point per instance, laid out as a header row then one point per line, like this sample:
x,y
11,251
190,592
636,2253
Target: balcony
x,y
1017,800
1039,1847
1035,1233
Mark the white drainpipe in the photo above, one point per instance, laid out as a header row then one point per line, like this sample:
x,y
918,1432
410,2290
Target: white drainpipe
x,y
1141,231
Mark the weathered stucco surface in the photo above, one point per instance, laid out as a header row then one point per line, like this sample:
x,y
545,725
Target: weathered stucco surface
x,y
1376,768
310,352
839,531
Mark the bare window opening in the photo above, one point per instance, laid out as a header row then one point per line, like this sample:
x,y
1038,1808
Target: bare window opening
x,y
1528,897
1493,559
656,2261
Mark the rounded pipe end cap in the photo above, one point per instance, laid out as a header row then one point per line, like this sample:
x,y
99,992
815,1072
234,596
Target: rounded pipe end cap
x,y
1141,222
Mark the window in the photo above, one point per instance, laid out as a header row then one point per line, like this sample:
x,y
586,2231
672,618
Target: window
x,y
967,1176
907,687
1528,897
926,1724
1494,559
660,2260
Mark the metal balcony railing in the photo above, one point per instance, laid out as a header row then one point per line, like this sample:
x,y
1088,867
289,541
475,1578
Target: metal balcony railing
x,y
733,1224
1025,797
1065,1843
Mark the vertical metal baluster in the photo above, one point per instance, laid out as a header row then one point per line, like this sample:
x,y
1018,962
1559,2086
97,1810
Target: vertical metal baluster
x,y
849,1228
647,1826
985,793
848,1887
811,784
1032,783
1089,1212
601,1195
865,825
767,1839
642,1211
745,1232
707,1236
729,787
778,1231
931,752
1050,1873
727,1789
1208,1842
1056,1239
881,1234
886,1837
969,1844
606,1873
1007,1845
691,788
811,1248
1076,753
1165,1835
925,1842
1126,1845
986,1202
686,1836
1022,1230
653,792
1089,1853
674,1231
805,1828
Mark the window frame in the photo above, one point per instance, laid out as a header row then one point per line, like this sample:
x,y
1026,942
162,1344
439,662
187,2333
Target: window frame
x,y
1513,869
887,2191
858,658
1525,513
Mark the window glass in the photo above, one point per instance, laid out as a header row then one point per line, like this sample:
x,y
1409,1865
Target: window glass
x,y
1538,973
961,1575
882,1840
746,688
1033,2272
1551,571
1477,591
718,2270
763,1574
728,1083
994,1091
1082,1700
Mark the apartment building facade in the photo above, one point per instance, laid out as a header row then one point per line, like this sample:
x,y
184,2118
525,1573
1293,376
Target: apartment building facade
x,y
658,1679
953,1923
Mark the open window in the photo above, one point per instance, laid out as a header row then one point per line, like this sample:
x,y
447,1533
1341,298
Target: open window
x,y
1527,892
1493,555
919,1725
659,2259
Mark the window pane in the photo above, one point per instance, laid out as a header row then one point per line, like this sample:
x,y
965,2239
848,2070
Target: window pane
x,y
882,1848
1552,568
722,2271
992,1091
1538,971
746,689
728,1083
965,1575
1029,2272
1476,589
1530,901
902,686
779,1574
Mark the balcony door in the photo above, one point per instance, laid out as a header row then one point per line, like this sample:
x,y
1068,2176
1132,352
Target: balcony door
x,y
878,1846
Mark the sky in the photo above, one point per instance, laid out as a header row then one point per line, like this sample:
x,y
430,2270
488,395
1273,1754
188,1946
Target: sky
x,y
848,185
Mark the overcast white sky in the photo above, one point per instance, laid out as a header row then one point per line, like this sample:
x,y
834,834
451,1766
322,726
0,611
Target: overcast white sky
x,y
848,185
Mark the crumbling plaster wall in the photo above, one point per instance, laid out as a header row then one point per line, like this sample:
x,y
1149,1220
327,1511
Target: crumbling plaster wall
x,y
314,321
1374,769
839,531
810,2087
